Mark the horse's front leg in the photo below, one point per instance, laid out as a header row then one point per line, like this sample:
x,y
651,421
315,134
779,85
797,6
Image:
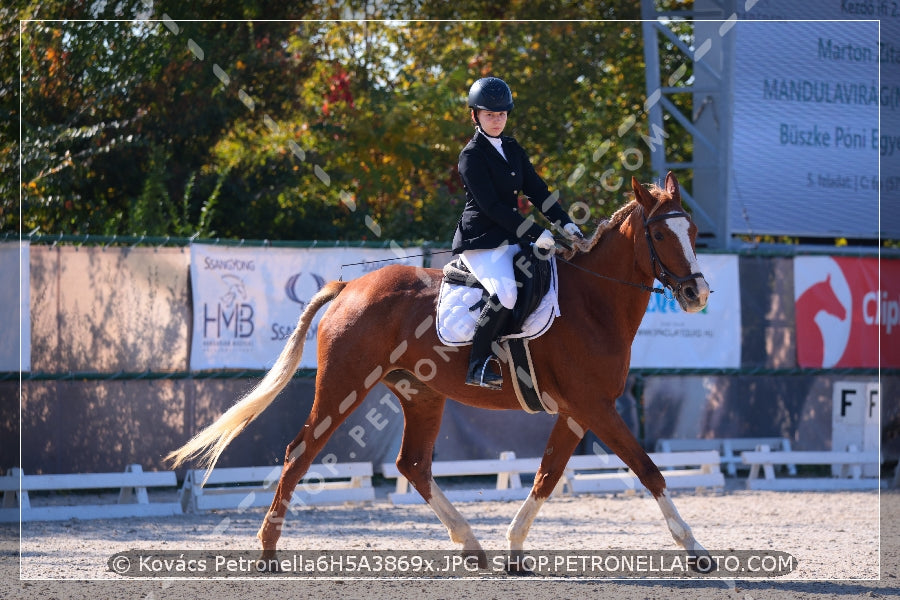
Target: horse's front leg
x,y
679,529
609,427
563,439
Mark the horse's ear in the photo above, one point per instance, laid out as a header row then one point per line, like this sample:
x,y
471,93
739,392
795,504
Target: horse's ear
x,y
672,187
642,195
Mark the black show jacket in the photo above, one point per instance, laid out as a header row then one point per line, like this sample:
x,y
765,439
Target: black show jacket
x,y
493,185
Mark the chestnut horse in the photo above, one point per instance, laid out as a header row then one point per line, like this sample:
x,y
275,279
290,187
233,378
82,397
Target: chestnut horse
x,y
380,327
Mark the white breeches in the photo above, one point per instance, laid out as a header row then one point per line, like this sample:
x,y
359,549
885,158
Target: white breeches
x,y
494,269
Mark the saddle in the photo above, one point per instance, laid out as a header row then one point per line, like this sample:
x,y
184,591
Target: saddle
x,y
460,302
534,278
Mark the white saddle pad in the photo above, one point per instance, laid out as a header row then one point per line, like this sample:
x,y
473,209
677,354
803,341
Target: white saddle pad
x,y
456,319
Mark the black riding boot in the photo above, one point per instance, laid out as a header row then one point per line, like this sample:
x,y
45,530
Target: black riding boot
x,y
488,328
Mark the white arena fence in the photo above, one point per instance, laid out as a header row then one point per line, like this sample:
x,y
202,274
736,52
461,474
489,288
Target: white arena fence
x,y
87,495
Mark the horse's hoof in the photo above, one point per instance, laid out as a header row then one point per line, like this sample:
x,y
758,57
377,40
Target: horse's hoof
x,y
701,562
515,565
268,562
478,556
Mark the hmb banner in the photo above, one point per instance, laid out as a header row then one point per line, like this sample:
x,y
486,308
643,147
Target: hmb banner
x,y
247,300
671,338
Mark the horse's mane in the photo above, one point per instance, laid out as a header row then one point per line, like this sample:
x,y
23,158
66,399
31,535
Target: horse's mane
x,y
613,222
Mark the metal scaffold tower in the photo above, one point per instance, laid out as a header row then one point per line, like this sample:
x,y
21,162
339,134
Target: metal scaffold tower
x,y
687,53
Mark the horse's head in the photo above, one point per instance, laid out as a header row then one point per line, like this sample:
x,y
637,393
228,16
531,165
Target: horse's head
x,y
671,237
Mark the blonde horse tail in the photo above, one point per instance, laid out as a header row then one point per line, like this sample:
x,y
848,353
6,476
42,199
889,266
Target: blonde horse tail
x,y
209,443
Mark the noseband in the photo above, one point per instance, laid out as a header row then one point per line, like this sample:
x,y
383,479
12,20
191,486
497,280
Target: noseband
x,y
660,271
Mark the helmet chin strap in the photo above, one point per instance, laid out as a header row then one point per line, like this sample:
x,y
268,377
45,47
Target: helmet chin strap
x,y
485,133
480,128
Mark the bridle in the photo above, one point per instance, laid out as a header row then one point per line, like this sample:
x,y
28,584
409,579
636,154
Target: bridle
x,y
660,271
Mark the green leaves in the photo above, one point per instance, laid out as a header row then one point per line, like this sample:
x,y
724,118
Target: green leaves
x,y
310,129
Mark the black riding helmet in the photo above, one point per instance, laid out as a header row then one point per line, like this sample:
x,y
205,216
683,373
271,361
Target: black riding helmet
x,y
490,93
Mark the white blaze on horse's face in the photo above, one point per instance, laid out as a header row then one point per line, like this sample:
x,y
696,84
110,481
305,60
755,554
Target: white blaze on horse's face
x,y
681,229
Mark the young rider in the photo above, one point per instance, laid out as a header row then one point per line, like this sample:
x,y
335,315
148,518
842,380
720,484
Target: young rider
x,y
495,170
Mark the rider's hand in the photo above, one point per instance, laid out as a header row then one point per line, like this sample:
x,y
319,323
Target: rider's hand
x,y
572,231
546,242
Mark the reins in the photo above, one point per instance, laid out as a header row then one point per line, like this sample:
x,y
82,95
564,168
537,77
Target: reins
x,y
622,281
660,271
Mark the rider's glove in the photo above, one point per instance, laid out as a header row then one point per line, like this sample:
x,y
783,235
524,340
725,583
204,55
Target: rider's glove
x,y
546,242
572,231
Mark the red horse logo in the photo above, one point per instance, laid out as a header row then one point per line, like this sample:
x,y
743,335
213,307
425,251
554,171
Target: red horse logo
x,y
819,297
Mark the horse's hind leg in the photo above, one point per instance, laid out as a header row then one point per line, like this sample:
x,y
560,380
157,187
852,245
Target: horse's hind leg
x,y
422,410
563,439
332,404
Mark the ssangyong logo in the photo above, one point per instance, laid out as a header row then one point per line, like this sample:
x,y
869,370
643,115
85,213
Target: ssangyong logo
x,y
299,288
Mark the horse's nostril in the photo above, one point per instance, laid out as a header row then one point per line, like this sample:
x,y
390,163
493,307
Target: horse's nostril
x,y
691,293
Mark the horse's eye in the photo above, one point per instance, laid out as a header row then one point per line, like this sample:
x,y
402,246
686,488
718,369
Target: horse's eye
x,y
658,236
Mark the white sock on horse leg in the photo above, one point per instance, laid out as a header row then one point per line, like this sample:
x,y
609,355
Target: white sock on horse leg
x,y
459,529
521,523
680,530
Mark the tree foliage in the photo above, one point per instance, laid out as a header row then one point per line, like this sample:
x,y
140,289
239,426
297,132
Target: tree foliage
x,y
248,123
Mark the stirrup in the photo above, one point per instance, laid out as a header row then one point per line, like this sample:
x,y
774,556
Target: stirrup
x,y
493,381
